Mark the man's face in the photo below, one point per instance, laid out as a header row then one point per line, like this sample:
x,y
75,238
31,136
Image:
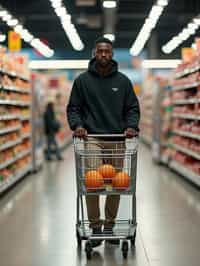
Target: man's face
x,y
103,53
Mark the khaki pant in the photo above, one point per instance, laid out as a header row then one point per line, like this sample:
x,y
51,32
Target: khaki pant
x,y
92,163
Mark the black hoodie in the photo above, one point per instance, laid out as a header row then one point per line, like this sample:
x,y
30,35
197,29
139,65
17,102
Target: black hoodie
x,y
103,104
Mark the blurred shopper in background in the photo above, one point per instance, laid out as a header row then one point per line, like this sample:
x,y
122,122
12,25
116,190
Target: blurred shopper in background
x,y
52,126
102,101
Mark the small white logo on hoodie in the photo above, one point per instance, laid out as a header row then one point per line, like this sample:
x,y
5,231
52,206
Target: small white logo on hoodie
x,y
115,89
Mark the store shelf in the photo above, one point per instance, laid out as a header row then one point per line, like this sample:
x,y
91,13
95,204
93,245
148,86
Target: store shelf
x,y
186,151
13,74
165,159
9,129
13,160
10,144
186,71
186,134
187,116
16,103
187,173
25,118
15,89
186,101
12,180
8,117
165,144
186,86
26,135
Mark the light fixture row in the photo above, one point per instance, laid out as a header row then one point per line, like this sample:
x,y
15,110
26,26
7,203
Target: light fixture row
x,y
83,64
110,36
186,32
149,25
68,26
25,34
109,4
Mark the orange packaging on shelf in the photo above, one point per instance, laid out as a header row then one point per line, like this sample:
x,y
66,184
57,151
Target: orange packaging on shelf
x,y
197,42
188,54
14,41
2,54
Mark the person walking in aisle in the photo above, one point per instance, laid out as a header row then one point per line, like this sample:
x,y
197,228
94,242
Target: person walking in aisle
x,y
51,128
102,101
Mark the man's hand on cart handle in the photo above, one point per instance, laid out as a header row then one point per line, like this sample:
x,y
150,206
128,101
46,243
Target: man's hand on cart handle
x,y
81,133
130,133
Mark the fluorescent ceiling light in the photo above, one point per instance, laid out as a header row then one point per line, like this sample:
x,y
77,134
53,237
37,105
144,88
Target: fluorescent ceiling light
x,y
162,2
111,37
25,34
59,64
19,29
3,13
12,22
66,18
2,37
60,11
109,4
7,17
189,30
69,28
193,26
149,25
196,21
155,11
56,5
169,63
56,1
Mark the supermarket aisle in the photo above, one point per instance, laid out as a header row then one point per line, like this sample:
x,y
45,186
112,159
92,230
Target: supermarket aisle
x,y
37,220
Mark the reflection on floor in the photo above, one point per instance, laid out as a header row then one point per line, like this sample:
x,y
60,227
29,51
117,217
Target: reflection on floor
x,y
37,220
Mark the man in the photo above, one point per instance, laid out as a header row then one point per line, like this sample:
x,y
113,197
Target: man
x,y
102,101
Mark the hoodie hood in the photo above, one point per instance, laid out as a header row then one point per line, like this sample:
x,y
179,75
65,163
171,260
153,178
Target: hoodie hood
x,y
92,67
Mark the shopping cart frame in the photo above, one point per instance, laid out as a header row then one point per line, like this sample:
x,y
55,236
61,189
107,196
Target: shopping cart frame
x,y
125,229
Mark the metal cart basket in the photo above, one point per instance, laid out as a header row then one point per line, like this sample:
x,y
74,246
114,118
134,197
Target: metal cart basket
x,y
110,152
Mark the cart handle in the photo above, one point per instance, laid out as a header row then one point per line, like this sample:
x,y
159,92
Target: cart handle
x,y
108,136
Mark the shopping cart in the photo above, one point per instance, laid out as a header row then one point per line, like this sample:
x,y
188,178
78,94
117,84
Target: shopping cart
x,y
121,153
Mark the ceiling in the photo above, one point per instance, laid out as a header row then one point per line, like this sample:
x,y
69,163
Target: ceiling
x,y
39,18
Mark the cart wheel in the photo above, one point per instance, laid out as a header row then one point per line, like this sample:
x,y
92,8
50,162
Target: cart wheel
x,y
88,250
78,237
125,249
133,240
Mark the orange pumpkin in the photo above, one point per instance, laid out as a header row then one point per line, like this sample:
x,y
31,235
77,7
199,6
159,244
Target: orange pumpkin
x,y
121,180
93,179
107,171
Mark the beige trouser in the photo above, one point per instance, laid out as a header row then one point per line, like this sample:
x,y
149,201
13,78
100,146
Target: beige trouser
x,y
112,201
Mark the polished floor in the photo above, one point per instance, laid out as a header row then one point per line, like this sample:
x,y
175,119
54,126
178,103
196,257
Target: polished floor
x,y
37,220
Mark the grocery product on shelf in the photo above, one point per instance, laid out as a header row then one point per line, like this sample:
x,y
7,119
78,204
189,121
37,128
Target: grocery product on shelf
x,y
146,102
15,105
186,120
156,109
166,116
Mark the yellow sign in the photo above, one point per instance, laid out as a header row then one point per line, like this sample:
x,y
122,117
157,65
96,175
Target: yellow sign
x,y
14,41
187,54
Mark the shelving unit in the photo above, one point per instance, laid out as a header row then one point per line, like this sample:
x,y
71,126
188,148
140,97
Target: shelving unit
x,y
146,103
186,121
15,115
184,171
186,134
